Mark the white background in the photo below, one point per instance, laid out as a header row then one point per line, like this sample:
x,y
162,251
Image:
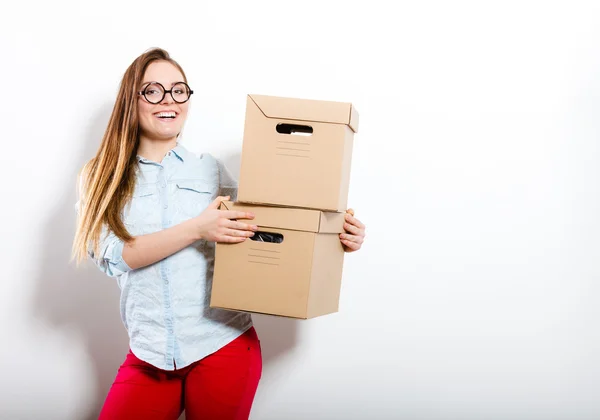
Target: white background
x,y
476,170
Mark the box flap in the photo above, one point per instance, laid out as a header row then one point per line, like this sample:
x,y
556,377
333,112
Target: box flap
x,y
290,218
331,222
307,110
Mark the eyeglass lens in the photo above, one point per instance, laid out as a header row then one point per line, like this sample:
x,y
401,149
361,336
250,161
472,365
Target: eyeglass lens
x,y
155,93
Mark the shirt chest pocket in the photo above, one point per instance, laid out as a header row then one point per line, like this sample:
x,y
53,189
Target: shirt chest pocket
x,y
143,208
191,198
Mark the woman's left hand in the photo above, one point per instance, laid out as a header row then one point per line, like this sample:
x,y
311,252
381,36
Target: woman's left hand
x,y
355,233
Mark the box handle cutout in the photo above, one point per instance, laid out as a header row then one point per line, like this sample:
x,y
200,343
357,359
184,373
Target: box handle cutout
x,y
295,129
275,238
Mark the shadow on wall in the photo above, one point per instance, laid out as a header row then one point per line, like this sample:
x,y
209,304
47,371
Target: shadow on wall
x,y
278,335
83,299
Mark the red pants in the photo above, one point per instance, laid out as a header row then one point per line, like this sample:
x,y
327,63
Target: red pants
x,y
219,387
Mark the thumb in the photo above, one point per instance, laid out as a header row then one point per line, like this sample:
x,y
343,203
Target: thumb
x,y
217,202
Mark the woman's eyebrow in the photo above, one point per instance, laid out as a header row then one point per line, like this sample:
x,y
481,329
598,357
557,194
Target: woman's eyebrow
x,y
154,81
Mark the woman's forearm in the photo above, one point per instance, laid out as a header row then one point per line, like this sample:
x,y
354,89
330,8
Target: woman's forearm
x,y
147,249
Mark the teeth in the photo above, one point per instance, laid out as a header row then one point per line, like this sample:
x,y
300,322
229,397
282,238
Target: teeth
x,y
165,115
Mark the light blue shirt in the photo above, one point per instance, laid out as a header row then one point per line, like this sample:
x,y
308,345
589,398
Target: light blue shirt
x,y
165,306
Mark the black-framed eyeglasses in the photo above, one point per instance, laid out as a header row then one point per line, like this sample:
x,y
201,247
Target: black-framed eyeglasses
x,y
154,92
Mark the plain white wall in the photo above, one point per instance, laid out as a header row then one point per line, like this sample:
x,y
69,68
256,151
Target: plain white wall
x,y
476,170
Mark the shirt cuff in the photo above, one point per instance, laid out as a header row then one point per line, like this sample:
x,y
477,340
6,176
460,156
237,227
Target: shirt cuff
x,y
116,264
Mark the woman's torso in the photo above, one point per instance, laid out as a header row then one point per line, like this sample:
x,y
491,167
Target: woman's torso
x,y
166,306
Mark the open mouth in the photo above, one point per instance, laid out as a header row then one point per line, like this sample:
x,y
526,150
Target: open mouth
x,y
166,116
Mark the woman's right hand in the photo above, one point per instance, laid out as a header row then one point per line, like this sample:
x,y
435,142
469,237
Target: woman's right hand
x,y
220,225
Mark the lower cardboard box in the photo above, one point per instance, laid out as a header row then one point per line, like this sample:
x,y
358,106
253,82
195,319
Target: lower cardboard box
x,y
292,267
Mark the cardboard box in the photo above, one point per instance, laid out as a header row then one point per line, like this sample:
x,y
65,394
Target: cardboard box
x,y
297,152
299,277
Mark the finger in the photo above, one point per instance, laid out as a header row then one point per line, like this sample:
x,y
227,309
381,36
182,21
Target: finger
x,y
217,202
350,212
354,221
352,229
231,239
239,225
238,233
352,238
233,214
351,245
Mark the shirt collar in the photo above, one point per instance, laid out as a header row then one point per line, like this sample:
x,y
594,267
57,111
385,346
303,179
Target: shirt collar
x,y
179,151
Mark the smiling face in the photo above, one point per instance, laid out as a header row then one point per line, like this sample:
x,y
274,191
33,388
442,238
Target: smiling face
x,y
162,121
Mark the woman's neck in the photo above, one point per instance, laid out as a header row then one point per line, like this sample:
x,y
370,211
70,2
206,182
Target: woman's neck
x,y
155,150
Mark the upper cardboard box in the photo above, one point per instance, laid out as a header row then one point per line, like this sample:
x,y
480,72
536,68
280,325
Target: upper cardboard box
x,y
297,152
307,110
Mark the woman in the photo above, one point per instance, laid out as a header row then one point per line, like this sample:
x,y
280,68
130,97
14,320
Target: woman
x,y
148,216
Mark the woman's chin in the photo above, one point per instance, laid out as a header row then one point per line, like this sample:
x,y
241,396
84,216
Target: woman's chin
x,y
163,135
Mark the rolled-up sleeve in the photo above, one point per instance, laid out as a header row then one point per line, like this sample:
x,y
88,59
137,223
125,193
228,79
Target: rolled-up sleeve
x,y
109,258
110,255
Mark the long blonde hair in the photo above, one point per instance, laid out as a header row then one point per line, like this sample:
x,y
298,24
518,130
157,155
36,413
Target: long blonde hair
x,y
106,182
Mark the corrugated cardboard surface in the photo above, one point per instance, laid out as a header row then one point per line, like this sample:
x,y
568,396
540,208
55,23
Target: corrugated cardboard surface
x,y
326,276
298,278
265,277
294,170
